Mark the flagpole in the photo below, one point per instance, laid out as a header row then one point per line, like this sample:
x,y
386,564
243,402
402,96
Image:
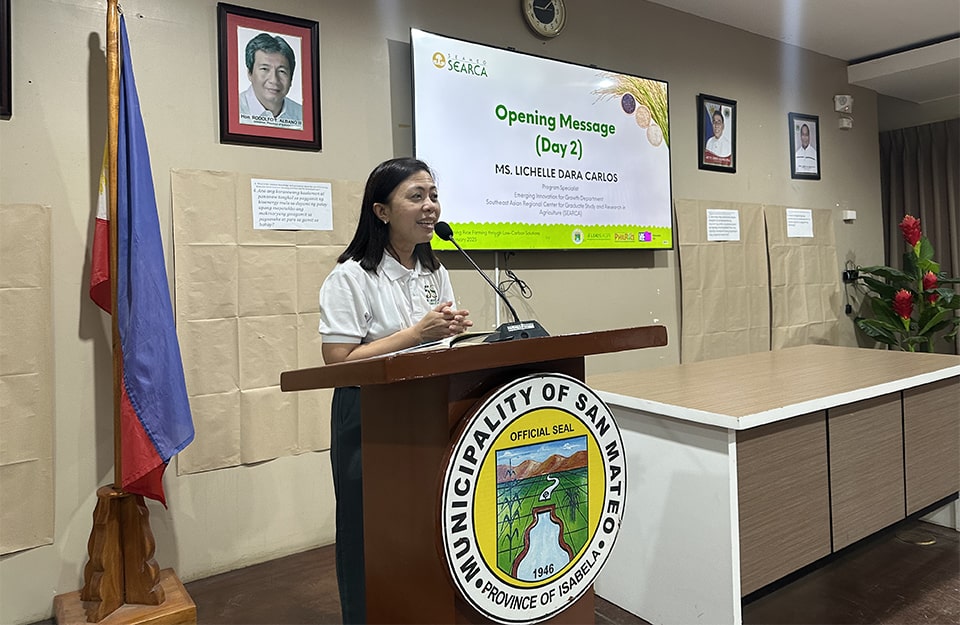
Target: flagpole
x,y
121,571
113,132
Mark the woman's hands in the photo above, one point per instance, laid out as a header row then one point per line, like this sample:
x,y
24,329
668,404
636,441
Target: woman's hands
x,y
441,322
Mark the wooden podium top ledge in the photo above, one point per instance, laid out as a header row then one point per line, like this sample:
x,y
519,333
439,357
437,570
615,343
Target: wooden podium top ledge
x,y
474,357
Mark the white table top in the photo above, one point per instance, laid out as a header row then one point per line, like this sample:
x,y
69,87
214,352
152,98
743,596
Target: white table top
x,y
745,391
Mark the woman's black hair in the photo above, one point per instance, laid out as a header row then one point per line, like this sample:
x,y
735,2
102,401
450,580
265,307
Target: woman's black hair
x,y
372,235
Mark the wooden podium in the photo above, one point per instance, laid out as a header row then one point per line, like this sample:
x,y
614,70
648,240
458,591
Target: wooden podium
x,y
412,404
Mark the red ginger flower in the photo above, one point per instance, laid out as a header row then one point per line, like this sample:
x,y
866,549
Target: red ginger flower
x,y
929,284
903,303
910,227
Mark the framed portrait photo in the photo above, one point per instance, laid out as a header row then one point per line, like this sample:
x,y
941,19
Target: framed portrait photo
x,y
717,133
804,146
6,94
269,79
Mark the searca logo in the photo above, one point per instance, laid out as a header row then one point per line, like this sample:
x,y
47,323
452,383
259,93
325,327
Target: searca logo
x,y
459,64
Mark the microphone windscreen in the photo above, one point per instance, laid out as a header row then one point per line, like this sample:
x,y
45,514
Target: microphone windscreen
x,y
443,230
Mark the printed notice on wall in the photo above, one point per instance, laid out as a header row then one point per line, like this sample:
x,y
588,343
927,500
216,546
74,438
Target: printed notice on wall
x,y
799,223
723,224
291,205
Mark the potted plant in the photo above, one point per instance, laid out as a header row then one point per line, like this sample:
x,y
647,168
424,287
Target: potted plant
x,y
913,305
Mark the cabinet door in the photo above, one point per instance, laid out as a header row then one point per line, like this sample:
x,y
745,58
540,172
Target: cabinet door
x,y
784,501
866,467
931,442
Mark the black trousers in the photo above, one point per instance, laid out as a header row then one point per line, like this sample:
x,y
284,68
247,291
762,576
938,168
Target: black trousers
x,y
348,487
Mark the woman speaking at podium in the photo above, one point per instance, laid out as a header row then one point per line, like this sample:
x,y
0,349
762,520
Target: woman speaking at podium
x,y
387,292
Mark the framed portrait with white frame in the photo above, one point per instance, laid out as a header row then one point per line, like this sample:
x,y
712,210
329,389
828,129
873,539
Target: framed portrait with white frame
x,y
804,146
269,78
717,133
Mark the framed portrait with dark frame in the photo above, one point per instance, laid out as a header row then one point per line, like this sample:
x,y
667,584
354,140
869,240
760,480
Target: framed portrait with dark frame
x,y
269,79
804,146
717,133
6,93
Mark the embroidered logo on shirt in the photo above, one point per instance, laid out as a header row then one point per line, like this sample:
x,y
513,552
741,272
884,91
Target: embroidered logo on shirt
x,y
431,293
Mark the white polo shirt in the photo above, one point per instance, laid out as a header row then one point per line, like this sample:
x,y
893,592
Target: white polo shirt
x,y
806,160
359,306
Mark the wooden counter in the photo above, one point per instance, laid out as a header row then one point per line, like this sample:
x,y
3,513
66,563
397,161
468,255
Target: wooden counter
x,y
746,391
745,469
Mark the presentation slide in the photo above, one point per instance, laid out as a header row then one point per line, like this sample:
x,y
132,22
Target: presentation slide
x,y
534,153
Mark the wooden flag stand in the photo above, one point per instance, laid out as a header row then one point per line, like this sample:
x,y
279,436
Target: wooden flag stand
x,y
122,583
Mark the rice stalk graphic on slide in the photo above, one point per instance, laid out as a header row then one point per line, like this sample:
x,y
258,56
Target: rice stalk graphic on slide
x,y
643,98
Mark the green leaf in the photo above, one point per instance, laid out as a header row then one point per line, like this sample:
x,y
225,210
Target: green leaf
x,y
884,290
889,273
948,298
910,265
925,251
895,327
883,311
876,331
929,265
931,325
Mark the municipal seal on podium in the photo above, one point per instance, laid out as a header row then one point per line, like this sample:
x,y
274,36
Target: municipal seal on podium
x,y
532,498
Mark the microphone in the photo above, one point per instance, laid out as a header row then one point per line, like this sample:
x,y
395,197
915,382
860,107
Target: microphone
x,y
507,331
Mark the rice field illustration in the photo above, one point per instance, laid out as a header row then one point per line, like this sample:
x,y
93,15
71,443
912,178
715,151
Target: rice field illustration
x,y
542,507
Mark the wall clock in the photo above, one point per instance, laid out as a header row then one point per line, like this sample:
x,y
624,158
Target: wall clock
x,y
545,17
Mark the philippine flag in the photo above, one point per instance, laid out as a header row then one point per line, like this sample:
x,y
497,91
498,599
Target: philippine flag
x,y
155,419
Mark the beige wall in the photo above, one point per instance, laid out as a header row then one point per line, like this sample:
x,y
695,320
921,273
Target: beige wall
x,y
51,149
894,113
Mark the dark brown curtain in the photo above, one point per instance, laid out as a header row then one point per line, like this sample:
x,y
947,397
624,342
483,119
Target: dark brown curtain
x,y
920,176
